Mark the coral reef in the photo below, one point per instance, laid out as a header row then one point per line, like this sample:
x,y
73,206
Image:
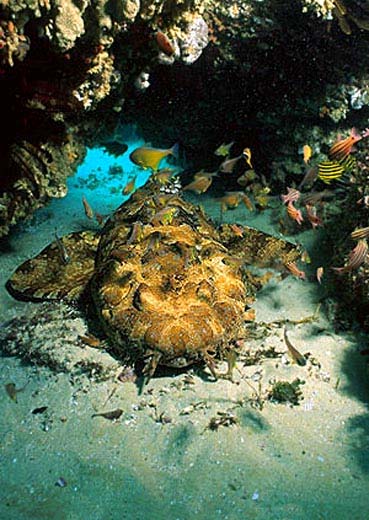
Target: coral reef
x,y
70,64
37,173
165,288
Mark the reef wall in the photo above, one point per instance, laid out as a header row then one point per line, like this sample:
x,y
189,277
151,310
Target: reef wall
x,y
270,75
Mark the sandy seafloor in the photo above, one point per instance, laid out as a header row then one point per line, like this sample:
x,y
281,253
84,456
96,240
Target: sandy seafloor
x,y
160,460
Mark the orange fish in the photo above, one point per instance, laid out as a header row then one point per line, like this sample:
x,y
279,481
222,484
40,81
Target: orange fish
x,y
356,257
148,157
342,147
164,43
163,176
360,233
294,213
129,187
237,230
293,269
233,198
201,183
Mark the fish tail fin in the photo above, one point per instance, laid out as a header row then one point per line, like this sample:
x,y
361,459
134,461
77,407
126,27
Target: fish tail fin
x,y
175,150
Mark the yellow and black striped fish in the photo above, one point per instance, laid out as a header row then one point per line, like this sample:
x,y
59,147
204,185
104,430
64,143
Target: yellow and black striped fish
x,y
332,170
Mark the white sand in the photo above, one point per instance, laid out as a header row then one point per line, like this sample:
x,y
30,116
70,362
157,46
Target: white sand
x,y
281,462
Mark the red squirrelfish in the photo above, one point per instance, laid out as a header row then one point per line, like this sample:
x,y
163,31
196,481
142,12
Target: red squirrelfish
x,y
342,148
360,233
292,196
357,256
293,269
294,213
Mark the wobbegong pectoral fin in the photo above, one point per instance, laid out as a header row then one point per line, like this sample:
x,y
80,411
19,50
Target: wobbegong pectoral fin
x,y
60,271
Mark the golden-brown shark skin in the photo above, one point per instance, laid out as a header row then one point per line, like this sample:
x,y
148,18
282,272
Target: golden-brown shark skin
x,y
162,282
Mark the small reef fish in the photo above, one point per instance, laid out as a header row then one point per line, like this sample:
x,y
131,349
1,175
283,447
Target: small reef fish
x,y
88,210
64,256
233,198
100,218
148,157
12,390
360,233
294,353
164,176
201,183
313,218
314,197
246,154
224,149
246,178
293,269
228,165
129,187
165,216
343,147
356,257
90,340
305,257
137,233
112,416
307,153
292,195
319,274
294,213
330,170
309,177
237,230
164,43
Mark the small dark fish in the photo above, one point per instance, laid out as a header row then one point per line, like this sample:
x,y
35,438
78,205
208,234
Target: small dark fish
x,y
228,165
88,210
115,148
309,177
294,353
12,391
65,258
40,409
112,416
